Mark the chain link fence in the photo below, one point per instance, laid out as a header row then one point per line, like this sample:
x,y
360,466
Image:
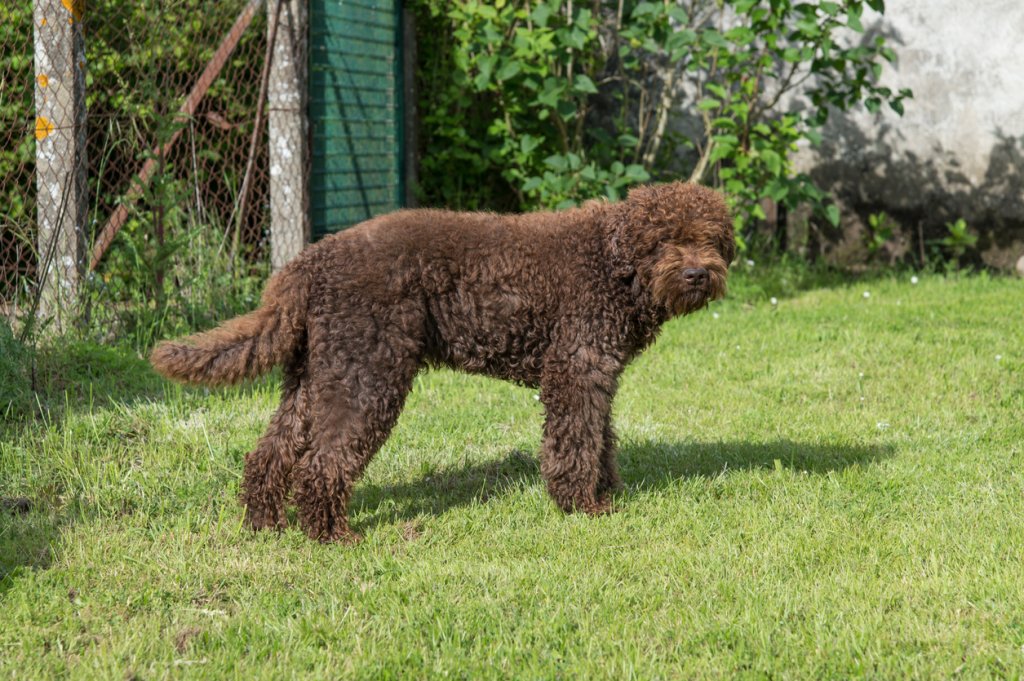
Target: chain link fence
x,y
163,148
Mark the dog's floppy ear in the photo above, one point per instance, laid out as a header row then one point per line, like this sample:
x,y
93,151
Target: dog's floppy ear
x,y
632,233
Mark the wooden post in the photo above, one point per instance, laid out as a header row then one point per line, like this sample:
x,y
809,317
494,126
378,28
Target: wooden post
x,y
288,129
60,154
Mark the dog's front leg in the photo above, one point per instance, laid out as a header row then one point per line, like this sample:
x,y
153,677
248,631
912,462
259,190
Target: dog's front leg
x,y
609,481
577,394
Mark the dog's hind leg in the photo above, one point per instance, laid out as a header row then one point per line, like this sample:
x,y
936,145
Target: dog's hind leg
x,y
356,402
577,395
268,468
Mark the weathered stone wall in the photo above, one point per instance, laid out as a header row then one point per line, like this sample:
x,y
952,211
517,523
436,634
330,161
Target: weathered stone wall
x,y
959,149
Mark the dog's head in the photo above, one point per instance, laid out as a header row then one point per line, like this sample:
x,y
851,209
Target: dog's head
x,y
677,241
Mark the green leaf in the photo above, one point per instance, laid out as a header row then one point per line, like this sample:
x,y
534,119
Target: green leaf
x,y
741,35
718,90
772,160
540,15
713,38
708,103
508,70
637,173
681,39
678,14
645,8
557,162
627,141
777,190
730,141
551,92
528,143
485,64
532,183
832,213
853,19
575,37
566,108
584,85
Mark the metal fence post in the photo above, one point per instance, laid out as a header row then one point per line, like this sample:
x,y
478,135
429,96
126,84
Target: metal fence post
x,y
60,153
288,129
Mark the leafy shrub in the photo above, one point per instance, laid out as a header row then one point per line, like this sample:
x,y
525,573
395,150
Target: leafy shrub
x,y
958,239
508,90
879,232
546,103
148,290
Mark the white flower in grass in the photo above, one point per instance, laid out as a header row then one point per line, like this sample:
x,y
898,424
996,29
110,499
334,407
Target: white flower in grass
x,y
867,294
998,357
715,315
914,279
750,263
774,301
881,425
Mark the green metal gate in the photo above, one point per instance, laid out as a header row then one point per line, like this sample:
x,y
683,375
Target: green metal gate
x,y
355,111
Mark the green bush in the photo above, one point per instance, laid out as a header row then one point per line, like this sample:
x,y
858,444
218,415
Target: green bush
x,y
531,104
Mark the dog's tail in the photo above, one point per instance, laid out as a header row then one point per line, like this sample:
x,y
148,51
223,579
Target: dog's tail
x,y
246,346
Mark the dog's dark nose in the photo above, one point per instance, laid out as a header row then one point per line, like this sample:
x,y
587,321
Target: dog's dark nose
x,y
695,276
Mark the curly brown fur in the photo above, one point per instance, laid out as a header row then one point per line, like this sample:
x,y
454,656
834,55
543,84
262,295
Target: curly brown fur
x,y
560,301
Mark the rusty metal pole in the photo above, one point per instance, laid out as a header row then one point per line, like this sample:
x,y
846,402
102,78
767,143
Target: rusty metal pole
x,y
289,137
62,206
187,110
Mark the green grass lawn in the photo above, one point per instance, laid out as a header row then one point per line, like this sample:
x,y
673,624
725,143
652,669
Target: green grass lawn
x,y
832,486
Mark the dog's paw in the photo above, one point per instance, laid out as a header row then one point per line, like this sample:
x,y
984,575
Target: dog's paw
x,y
602,506
345,537
265,519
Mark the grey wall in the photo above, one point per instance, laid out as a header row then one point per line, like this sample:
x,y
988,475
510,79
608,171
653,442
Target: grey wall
x,y
959,149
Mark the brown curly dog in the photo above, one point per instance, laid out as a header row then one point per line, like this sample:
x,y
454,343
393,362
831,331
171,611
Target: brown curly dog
x,y
560,301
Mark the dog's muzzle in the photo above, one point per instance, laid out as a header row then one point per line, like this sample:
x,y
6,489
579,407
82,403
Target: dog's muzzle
x,y
696,278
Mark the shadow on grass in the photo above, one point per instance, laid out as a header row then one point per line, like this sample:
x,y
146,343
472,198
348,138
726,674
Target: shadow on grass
x,y
643,466
77,375
27,536
47,385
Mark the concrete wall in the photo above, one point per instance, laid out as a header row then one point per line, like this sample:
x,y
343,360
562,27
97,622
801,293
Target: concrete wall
x,y
959,149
